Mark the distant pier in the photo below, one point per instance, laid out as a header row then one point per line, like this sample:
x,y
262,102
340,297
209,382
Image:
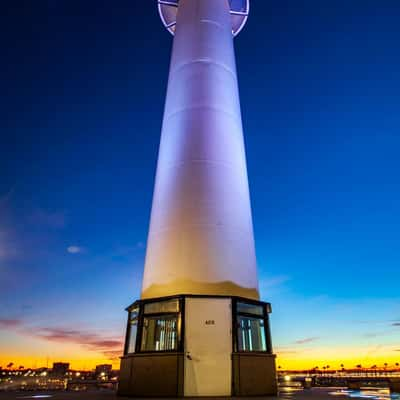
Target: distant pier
x,y
350,382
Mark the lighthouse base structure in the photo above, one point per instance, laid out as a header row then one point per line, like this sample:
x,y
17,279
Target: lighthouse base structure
x,y
195,345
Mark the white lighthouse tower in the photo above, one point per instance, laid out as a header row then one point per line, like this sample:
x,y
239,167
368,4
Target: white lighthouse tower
x,y
199,328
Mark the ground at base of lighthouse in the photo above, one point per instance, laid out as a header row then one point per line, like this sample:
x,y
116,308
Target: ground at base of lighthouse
x,y
285,394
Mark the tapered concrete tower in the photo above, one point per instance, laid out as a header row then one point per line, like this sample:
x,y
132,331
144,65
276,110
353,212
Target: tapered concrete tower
x,y
201,233
199,328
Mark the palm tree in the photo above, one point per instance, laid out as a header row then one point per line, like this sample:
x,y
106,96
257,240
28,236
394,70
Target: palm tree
x,y
342,367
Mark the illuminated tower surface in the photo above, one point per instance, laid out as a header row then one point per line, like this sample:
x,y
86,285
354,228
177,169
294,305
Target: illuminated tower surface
x,y
199,328
201,235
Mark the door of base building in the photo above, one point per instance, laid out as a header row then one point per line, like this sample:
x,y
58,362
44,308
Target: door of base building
x,y
208,347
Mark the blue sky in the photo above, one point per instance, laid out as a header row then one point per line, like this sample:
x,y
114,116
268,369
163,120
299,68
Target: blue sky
x,y
82,102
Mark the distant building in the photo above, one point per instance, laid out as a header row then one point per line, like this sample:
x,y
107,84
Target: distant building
x,y
60,368
103,370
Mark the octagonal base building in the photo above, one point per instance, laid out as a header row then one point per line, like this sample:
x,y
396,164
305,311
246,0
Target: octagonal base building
x,y
200,328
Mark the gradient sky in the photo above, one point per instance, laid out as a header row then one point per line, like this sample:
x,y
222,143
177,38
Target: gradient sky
x,y
82,93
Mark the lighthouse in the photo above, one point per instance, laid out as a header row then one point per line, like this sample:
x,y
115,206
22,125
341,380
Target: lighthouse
x,y
199,328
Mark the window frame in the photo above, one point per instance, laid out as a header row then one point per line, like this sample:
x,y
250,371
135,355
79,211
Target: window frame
x,y
129,331
139,335
266,307
135,305
158,316
181,323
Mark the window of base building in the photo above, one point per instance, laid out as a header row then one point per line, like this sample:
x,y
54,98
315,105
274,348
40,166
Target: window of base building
x,y
252,328
160,325
251,334
132,336
160,333
132,329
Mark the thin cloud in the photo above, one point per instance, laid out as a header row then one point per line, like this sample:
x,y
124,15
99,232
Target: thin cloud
x,y
374,334
25,232
113,354
8,238
10,323
273,282
307,340
396,324
74,249
8,245
110,347
89,340
5,198
126,251
374,351
54,219
285,352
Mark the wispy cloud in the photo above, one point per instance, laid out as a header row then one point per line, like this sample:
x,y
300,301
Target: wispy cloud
x,y
374,334
25,231
8,245
5,198
75,249
285,351
307,340
396,324
273,283
8,242
113,354
110,347
128,250
10,323
52,219
91,341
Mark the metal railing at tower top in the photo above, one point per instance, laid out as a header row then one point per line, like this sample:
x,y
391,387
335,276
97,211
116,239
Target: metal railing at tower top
x,y
239,10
